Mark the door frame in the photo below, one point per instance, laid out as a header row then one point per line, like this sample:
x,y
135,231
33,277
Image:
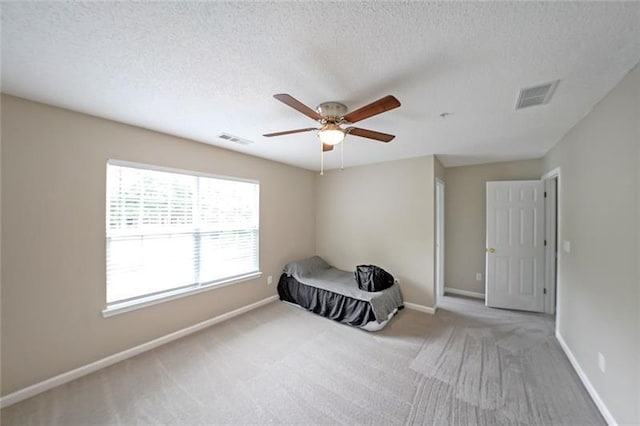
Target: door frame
x,y
439,239
552,236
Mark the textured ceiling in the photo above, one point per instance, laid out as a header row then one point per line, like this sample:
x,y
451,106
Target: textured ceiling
x,y
198,69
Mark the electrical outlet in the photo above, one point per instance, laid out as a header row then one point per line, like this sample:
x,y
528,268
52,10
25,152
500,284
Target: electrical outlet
x,y
602,364
269,279
479,276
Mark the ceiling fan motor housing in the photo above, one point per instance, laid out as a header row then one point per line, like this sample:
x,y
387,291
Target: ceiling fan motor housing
x,y
331,115
332,111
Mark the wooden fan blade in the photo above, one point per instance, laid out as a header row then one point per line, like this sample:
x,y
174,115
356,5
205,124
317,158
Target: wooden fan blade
x,y
381,105
288,132
297,105
371,134
326,147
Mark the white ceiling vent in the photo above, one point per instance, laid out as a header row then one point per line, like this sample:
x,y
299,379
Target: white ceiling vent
x,y
234,139
537,95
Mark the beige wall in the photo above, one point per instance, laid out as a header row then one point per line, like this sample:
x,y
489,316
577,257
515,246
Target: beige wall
x,y
53,237
381,214
599,280
465,211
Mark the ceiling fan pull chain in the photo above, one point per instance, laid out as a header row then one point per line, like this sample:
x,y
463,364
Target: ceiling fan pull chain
x,y
321,160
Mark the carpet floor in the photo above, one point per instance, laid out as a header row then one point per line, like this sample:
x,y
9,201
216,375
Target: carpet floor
x,y
466,365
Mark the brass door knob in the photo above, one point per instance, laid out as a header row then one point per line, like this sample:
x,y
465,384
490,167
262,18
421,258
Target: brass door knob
x,y
491,250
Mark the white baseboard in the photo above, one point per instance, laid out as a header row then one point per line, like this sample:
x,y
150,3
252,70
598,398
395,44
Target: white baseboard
x,y
421,308
467,293
63,378
608,417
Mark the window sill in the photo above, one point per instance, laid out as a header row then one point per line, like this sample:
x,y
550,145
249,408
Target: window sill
x,y
132,305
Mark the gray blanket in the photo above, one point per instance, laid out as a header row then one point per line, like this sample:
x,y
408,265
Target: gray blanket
x,y
318,273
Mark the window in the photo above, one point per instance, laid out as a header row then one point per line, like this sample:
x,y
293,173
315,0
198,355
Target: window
x,y
170,232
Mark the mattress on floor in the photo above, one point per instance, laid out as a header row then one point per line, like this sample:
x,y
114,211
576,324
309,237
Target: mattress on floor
x,y
333,293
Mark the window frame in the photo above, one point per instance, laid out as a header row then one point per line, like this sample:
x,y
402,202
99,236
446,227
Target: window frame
x,y
162,296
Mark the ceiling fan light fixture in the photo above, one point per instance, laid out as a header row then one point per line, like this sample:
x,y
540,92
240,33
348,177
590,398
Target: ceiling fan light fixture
x,y
331,134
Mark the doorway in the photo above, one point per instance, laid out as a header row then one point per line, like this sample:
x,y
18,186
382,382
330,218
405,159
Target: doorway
x,y
507,283
551,187
439,239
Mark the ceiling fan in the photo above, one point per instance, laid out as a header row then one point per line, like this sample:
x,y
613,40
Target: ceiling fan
x,y
332,115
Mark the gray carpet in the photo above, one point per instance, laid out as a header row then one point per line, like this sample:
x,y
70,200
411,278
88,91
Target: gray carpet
x,y
466,365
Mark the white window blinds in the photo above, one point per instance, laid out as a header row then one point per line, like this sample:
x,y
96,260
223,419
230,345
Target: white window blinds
x,y
167,230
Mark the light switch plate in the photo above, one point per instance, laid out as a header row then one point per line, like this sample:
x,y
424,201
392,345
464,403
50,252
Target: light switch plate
x,y
479,276
601,362
566,246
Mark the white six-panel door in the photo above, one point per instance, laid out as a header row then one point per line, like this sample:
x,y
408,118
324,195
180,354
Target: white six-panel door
x,y
515,245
